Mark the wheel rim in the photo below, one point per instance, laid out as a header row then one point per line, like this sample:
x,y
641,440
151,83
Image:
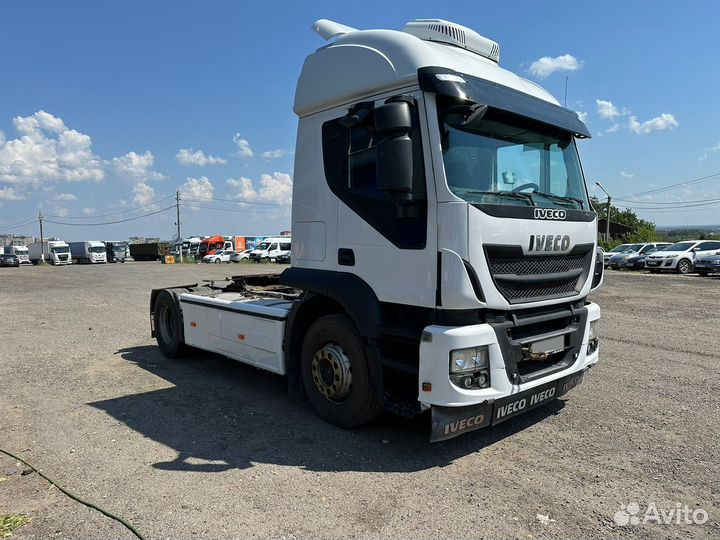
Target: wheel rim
x,y
331,372
684,266
166,323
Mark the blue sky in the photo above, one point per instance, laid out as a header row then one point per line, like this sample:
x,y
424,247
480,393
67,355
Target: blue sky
x,y
98,99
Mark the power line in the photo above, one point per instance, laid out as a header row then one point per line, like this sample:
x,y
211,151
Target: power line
x,y
151,203
18,225
236,210
232,200
110,222
700,201
685,183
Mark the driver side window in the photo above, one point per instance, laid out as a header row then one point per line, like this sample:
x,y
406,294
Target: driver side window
x,y
517,165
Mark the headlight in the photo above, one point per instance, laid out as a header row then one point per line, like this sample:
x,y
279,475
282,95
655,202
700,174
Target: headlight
x,y
592,338
470,368
593,330
473,359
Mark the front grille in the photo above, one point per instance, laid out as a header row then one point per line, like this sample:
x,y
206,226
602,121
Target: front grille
x,y
521,278
62,257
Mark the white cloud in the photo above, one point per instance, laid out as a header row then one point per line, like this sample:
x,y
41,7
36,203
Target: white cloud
x,y
188,157
626,174
47,151
143,194
664,121
275,188
60,211
710,150
65,197
9,193
613,128
275,154
547,65
581,115
88,211
244,150
606,109
201,188
138,167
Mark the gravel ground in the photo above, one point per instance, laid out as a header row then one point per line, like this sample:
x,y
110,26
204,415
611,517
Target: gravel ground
x,y
206,447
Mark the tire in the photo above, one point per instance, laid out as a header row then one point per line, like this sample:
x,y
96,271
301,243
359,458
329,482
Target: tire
x,y
333,354
217,261
684,266
169,326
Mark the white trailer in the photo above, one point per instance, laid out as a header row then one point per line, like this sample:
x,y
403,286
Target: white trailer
x,y
444,242
88,252
56,252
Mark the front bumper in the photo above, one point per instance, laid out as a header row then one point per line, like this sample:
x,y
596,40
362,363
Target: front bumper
x,y
457,410
709,268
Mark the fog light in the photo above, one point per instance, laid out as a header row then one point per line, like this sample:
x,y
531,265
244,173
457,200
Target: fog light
x,y
592,346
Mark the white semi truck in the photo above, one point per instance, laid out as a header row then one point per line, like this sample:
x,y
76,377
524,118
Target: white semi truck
x,y
56,252
443,242
88,252
21,252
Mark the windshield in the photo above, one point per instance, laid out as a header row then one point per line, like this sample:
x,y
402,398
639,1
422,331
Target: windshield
x,y
262,246
680,246
504,159
97,249
619,248
65,249
632,248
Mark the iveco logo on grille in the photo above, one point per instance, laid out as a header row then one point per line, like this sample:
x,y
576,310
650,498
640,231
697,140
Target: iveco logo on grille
x,y
549,213
549,242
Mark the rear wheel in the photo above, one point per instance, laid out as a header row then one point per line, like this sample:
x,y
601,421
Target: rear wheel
x,y
684,266
168,326
336,374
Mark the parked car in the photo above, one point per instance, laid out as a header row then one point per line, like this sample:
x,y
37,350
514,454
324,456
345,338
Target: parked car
x,y
9,259
636,253
219,257
284,258
270,248
637,261
707,264
681,256
238,256
614,251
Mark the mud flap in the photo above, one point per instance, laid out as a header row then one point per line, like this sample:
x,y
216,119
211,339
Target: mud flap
x,y
449,422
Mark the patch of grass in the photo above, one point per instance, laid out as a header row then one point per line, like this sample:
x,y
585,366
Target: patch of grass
x,y
10,522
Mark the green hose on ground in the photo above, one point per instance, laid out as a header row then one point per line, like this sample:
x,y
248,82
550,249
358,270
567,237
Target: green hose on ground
x,y
75,497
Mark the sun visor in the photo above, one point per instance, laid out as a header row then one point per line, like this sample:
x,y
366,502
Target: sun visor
x,y
450,83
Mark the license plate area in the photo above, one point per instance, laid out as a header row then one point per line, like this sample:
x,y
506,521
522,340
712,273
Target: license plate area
x,y
548,346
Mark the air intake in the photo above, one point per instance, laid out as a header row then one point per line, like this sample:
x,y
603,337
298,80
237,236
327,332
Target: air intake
x,y
454,34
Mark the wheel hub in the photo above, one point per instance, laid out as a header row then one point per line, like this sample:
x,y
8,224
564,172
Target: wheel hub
x,y
331,372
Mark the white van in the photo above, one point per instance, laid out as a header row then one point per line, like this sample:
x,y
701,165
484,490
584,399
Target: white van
x,y
270,248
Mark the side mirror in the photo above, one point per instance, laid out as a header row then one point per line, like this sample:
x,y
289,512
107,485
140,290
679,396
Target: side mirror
x,y
393,123
695,249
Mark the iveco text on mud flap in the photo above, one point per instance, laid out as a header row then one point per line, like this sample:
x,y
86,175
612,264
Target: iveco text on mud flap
x,y
443,240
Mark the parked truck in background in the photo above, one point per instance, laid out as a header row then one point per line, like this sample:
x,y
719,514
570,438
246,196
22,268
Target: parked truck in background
x,y
21,252
116,251
211,244
443,241
56,252
152,251
88,252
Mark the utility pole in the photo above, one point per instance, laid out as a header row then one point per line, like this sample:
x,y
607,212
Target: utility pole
x,y
42,238
177,211
607,216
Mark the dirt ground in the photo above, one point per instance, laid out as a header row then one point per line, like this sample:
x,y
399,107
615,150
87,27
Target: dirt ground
x,y
206,447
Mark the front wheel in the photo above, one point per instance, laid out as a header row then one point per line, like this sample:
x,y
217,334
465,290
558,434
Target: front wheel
x,y
684,266
336,374
217,261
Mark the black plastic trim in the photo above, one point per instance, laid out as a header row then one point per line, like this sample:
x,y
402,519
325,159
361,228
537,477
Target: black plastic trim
x,y
528,212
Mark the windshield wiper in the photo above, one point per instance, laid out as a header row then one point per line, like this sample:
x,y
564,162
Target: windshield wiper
x,y
510,194
559,198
